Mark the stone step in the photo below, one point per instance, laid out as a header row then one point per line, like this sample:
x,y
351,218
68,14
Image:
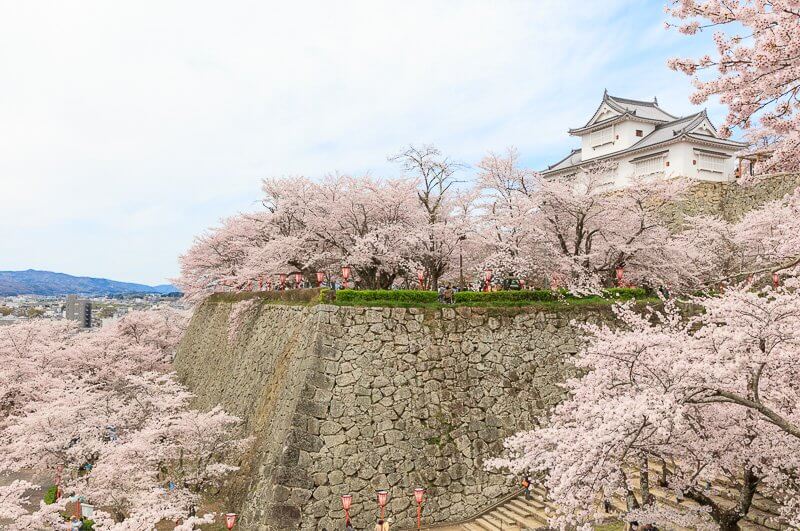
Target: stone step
x,y
727,491
518,513
668,498
530,508
487,525
522,520
500,522
533,503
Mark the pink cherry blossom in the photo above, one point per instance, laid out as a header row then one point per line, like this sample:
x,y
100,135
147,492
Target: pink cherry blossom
x,y
755,71
713,397
102,411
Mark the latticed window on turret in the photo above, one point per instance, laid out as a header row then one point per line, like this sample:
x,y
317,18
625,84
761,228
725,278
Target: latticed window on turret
x,y
711,163
651,166
603,136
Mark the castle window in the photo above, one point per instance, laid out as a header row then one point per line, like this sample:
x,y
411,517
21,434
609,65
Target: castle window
x,y
651,166
639,132
602,137
710,163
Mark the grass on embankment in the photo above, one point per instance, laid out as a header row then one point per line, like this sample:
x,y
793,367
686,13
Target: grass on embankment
x,y
545,299
541,299
589,303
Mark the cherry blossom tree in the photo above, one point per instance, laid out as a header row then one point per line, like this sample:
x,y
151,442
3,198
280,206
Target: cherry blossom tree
x,y
218,256
755,71
578,230
692,402
506,230
366,223
437,239
102,411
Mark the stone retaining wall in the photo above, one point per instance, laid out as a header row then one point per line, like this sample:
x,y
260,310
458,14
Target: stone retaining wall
x,y
350,400
732,201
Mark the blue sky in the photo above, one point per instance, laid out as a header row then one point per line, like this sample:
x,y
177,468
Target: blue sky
x,y
128,128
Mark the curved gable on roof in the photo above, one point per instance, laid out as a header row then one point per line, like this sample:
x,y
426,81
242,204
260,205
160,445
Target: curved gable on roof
x,y
613,106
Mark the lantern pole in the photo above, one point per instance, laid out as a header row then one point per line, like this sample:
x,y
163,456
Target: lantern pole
x,y
419,492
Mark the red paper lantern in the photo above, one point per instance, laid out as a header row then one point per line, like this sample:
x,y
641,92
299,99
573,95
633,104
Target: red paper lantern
x,y
347,501
283,280
776,280
345,274
619,272
418,493
298,278
383,497
488,275
320,277
421,277
230,520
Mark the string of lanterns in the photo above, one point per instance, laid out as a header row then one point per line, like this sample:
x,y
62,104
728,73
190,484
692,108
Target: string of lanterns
x,y
382,499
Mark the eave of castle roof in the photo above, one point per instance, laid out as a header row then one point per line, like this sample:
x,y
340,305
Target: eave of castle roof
x,y
664,134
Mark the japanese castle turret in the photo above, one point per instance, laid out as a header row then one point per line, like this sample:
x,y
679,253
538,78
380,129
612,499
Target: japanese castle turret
x,y
643,140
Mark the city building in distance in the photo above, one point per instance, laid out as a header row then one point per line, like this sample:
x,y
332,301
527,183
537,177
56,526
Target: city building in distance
x,y
79,310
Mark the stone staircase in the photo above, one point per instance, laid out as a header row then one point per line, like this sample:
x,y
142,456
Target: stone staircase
x,y
763,514
518,514
513,514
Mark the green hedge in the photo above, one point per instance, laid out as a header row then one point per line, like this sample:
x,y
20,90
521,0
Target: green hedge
x,y
543,295
539,295
351,296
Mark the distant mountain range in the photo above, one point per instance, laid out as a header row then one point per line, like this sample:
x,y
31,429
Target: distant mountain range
x,y
33,282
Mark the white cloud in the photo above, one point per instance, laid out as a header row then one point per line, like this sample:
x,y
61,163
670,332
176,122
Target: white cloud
x,y
143,122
